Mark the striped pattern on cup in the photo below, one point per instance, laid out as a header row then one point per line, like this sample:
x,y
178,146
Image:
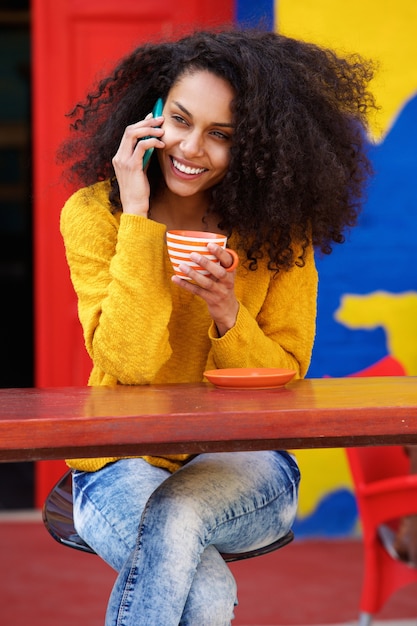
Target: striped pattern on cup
x,y
181,243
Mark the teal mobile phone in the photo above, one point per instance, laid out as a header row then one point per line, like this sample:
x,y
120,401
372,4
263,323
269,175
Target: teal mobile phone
x,y
156,112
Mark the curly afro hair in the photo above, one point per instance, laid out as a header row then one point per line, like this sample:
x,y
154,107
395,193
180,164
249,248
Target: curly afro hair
x,y
298,160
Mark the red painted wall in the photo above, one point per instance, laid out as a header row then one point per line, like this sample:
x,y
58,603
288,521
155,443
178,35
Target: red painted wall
x,y
73,41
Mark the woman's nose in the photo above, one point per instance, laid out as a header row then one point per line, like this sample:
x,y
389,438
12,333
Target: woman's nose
x,y
192,145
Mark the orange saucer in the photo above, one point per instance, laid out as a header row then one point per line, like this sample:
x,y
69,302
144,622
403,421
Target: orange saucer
x,y
250,378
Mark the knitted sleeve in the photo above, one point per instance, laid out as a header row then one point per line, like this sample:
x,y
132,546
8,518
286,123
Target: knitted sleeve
x,y
276,322
109,265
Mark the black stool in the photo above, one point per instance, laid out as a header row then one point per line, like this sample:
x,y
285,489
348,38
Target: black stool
x,y
58,519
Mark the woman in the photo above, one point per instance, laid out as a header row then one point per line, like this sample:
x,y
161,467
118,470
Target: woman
x,y
261,138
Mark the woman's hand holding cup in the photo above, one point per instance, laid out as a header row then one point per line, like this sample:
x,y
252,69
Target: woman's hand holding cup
x,y
204,266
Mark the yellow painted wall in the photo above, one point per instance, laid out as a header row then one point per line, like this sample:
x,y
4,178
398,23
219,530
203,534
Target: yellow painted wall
x,y
381,30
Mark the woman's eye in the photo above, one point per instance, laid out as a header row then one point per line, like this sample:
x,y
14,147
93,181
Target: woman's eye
x,y
220,135
179,119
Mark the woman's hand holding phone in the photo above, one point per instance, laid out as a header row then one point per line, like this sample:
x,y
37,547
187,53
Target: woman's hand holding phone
x,y
128,161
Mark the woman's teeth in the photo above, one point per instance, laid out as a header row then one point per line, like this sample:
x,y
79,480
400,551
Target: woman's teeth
x,y
187,170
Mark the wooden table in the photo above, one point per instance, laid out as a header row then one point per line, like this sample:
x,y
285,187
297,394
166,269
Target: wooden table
x,y
57,423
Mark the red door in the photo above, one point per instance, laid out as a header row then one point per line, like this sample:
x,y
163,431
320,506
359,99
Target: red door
x,y
73,41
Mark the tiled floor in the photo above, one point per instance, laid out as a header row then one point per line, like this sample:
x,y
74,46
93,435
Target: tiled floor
x,y
306,583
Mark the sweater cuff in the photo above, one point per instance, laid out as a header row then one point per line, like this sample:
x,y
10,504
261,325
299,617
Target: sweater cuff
x,y
231,340
138,224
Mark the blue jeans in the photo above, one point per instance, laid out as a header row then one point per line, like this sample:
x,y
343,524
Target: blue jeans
x,y
163,532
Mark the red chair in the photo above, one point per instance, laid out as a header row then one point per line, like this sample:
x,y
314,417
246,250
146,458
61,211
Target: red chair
x,y
385,492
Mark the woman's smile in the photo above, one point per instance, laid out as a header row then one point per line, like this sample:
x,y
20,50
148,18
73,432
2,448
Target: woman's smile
x,y
187,170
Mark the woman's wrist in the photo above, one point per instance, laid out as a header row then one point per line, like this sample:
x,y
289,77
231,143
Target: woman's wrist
x,y
141,210
228,322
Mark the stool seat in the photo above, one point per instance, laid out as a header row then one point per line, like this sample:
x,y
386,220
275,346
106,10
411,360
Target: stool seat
x,y
57,515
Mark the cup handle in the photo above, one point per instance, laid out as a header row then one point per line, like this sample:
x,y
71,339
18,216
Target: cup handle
x,y
235,258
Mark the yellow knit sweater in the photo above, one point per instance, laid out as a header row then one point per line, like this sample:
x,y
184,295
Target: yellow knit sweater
x,y
141,328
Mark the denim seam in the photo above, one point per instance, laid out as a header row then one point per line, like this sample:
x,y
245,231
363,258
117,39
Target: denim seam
x,y
129,586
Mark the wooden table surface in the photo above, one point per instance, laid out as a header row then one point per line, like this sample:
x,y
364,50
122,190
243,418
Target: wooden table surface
x,y
72,422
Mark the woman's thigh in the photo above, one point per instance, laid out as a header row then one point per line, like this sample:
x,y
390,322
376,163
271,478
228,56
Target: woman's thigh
x,y
242,500
108,506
